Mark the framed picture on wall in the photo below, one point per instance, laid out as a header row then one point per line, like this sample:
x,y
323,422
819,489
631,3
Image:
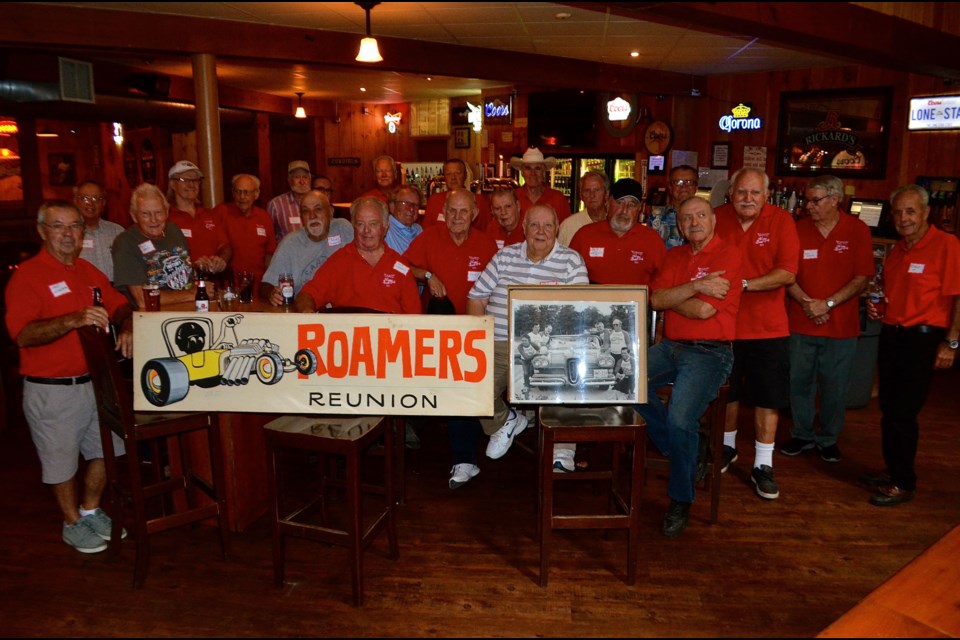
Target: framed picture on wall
x,y
577,344
461,137
720,155
844,133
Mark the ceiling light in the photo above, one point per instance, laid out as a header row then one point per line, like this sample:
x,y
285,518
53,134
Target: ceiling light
x,y
563,15
300,112
634,54
369,52
363,89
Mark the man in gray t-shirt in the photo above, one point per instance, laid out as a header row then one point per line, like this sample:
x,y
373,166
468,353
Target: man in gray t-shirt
x,y
301,253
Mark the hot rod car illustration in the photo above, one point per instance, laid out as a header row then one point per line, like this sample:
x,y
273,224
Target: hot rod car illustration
x,y
573,361
197,359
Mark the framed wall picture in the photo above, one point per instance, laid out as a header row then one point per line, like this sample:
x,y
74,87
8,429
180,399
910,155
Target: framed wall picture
x,y
577,344
844,133
720,155
461,137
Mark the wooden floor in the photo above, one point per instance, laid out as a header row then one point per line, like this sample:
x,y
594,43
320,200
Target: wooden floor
x,y
468,558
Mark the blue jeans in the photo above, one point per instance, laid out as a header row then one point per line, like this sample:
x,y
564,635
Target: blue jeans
x,y
824,365
697,371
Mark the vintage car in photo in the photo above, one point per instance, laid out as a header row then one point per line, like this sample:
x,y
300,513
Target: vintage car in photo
x,y
573,361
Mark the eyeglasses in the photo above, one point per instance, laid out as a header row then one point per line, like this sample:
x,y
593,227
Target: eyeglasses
x,y
816,201
243,193
64,228
188,180
90,199
684,182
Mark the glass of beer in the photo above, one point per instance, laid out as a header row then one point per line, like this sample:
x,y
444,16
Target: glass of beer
x,y
245,286
151,297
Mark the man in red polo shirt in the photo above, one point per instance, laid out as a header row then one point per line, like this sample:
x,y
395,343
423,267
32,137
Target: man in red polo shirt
x,y
48,297
455,176
450,259
767,238
920,333
618,250
506,213
535,190
697,289
365,273
203,228
836,260
249,227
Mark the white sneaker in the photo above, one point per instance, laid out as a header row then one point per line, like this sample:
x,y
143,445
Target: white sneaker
x,y
500,441
564,461
463,473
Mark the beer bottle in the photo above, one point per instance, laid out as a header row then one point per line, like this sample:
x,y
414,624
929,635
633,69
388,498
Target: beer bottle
x,y
202,300
98,302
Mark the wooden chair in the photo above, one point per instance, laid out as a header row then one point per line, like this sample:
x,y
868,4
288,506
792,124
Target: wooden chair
x,y
347,438
621,426
711,425
155,430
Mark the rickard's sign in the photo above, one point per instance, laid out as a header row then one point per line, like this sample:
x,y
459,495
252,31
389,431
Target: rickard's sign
x,y
314,363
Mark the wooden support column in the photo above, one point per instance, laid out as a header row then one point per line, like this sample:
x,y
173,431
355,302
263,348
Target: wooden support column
x,y
318,146
30,165
208,126
264,170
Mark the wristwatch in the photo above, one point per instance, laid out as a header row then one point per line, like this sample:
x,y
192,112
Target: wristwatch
x,y
953,344
427,275
831,304
744,283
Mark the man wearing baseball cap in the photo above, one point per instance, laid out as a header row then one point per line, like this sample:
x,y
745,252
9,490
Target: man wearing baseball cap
x,y
534,167
203,228
284,209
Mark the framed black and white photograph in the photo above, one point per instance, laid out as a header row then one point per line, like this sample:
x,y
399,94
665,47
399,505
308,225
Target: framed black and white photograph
x,y
461,137
577,344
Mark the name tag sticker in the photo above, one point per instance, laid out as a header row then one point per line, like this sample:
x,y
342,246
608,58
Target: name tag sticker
x,y
294,219
916,267
59,289
146,247
596,252
88,243
187,233
334,241
441,217
402,268
500,244
261,232
809,254
473,276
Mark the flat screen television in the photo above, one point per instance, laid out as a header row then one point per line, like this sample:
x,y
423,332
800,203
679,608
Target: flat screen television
x,y
566,118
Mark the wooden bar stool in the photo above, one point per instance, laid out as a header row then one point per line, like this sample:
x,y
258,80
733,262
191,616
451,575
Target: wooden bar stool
x,y
618,425
349,438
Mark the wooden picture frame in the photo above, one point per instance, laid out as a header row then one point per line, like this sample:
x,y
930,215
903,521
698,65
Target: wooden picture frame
x,y
720,155
461,137
845,133
560,354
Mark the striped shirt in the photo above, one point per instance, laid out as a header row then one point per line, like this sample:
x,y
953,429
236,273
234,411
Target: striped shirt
x,y
284,212
512,266
97,246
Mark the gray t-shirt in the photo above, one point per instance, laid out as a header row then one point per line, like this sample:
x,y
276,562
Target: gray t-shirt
x,y
137,259
297,254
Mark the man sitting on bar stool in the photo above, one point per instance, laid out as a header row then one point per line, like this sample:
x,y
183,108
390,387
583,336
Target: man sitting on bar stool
x,y
48,297
696,353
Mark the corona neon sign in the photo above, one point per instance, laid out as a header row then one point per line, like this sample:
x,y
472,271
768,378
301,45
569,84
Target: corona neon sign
x,y
739,119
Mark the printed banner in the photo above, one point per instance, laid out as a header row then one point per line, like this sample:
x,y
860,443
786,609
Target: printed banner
x,y
314,363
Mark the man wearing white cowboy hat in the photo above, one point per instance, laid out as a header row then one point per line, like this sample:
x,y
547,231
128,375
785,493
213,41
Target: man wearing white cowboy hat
x,y
533,167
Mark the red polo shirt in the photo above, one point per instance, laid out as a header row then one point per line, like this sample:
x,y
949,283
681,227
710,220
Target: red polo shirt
x,y
826,265
769,243
42,288
346,279
251,236
458,267
920,282
377,193
205,233
504,239
434,211
552,197
681,265
632,259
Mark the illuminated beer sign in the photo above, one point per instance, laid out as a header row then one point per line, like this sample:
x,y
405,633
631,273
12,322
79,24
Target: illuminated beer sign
x,y
618,109
934,112
8,128
739,119
498,110
392,121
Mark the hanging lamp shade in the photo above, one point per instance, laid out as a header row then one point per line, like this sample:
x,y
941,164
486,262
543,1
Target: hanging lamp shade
x,y
369,51
300,112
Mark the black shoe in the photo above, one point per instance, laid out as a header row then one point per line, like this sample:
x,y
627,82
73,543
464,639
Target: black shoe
x,y
876,479
890,495
701,471
729,457
830,453
766,482
675,521
796,446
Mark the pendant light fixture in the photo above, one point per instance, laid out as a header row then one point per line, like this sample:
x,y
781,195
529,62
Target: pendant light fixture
x,y
369,51
300,113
